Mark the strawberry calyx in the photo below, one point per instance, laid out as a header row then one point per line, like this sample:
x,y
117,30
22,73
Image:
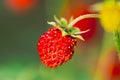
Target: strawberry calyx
x,y
67,28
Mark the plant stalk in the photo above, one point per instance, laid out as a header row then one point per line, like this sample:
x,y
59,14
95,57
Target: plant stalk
x,y
83,17
117,41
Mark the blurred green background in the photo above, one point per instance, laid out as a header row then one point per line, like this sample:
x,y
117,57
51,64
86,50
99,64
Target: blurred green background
x,y
19,34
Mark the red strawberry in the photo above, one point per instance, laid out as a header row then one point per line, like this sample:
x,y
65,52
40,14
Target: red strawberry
x,y
56,46
54,49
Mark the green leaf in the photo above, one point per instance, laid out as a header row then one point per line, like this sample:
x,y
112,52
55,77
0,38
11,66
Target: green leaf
x,y
79,37
56,19
63,22
73,30
51,23
81,32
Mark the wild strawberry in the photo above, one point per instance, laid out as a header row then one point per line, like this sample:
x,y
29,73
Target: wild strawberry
x,y
56,46
55,49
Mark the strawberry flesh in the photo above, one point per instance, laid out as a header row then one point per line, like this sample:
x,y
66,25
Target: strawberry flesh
x,y
54,49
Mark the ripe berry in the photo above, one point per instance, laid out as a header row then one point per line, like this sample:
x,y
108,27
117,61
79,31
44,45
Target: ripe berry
x,y
56,46
54,49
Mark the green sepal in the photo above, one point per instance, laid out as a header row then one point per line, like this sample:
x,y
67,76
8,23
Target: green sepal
x,y
63,22
78,36
62,25
52,23
56,19
73,30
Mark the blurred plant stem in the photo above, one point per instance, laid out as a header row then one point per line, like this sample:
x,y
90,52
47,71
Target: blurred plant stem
x,y
117,41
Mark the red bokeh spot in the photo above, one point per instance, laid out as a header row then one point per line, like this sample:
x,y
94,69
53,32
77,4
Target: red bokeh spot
x,y
20,6
116,70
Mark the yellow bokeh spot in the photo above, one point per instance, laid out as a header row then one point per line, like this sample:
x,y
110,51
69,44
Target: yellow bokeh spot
x,y
110,17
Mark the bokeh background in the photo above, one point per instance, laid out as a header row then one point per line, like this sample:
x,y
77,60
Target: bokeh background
x,y
20,28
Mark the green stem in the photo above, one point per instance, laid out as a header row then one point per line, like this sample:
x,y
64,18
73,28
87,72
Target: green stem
x,y
117,40
83,17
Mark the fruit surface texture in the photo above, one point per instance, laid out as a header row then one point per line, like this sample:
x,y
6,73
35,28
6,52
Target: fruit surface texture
x,y
54,49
